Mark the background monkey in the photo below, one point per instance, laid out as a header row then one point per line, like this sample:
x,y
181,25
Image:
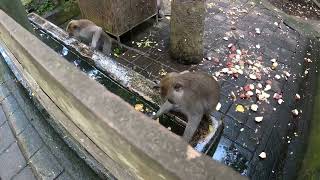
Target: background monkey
x,y
194,94
91,34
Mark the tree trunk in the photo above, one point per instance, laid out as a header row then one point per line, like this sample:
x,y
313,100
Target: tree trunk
x,y
187,26
15,9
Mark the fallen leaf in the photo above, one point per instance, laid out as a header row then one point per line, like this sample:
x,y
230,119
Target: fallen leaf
x,y
295,112
277,96
252,76
258,119
249,94
268,87
280,101
210,128
240,108
258,31
138,107
263,155
218,107
274,65
254,107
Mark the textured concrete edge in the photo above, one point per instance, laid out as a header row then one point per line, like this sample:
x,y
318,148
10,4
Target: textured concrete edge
x,y
78,103
125,76
30,87
291,166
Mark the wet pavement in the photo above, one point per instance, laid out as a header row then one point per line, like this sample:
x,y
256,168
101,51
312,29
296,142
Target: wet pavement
x,y
260,62
29,147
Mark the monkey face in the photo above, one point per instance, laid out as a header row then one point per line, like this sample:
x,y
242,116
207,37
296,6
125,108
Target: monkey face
x,y
72,28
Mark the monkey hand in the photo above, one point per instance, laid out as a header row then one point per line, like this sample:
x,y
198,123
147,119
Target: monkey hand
x,y
92,48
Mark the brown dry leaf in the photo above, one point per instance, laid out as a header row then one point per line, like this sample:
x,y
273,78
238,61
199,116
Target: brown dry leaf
x,y
138,107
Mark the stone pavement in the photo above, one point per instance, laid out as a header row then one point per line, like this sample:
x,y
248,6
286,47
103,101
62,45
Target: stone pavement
x,y
29,147
259,59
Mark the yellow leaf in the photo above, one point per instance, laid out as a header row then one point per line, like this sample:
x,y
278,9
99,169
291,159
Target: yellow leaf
x,y
210,128
139,107
240,108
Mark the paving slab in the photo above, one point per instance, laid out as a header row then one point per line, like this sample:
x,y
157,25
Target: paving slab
x,y
6,137
11,162
25,174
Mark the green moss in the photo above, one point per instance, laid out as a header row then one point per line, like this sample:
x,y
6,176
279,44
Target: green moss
x,y
41,7
311,163
69,6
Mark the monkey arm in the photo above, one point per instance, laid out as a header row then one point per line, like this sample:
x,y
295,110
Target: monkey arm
x,y
97,31
166,107
192,126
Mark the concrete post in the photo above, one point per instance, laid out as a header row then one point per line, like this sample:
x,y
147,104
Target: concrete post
x,y
15,9
187,27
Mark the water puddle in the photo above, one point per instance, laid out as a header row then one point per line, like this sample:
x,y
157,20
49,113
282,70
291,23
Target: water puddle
x,y
227,153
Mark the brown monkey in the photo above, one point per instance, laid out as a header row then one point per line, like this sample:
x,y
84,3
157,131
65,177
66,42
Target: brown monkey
x,y
194,94
91,34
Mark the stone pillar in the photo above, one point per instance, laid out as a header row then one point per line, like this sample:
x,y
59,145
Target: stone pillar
x,y
186,31
15,9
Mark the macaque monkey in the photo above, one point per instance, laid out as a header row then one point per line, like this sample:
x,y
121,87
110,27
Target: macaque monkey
x,y
160,7
194,94
91,34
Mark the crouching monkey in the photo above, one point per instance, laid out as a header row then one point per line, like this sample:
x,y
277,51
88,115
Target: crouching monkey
x,y
194,94
91,34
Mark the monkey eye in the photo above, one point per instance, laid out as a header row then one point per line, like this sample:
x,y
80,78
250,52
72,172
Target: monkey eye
x,y
177,86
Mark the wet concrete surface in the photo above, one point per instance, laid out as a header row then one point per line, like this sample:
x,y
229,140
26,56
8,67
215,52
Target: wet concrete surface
x,y
246,44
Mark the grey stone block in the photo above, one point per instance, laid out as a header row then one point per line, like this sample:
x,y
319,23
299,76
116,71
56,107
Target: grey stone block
x,y
25,174
3,117
4,92
30,141
6,137
25,104
64,176
10,105
11,162
5,73
45,165
18,121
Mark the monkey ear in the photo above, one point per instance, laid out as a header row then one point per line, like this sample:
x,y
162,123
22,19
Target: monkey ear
x,y
178,86
75,26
